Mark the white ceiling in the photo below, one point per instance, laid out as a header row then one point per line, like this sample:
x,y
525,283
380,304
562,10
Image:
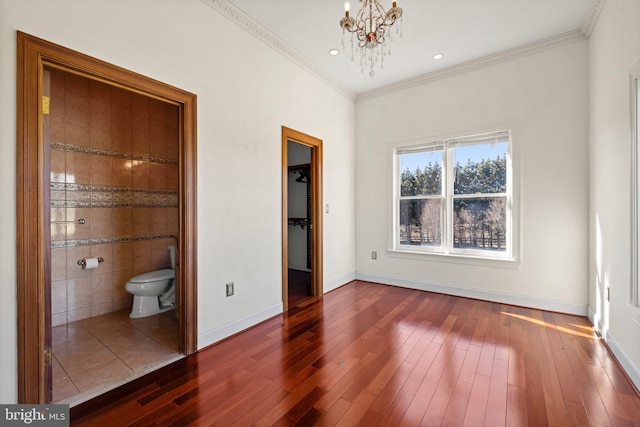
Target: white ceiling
x,y
462,30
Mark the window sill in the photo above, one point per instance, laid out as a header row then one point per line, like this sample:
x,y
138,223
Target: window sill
x,y
507,263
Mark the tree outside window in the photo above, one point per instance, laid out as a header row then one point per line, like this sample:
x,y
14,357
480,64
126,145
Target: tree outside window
x,y
453,196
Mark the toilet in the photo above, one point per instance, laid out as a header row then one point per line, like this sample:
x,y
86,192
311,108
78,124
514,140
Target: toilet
x,y
153,292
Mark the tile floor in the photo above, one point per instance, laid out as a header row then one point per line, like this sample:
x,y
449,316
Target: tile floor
x,y
96,354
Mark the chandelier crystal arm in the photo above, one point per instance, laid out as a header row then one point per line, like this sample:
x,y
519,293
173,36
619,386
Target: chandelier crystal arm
x,y
372,28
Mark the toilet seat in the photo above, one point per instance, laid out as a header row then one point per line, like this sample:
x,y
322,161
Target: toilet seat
x,y
154,276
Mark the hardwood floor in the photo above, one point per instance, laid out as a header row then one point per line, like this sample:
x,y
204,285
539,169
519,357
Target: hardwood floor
x,y
369,354
299,286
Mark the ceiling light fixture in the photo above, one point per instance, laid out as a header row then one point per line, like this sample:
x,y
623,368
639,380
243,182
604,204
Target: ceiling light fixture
x,y
333,52
438,56
372,27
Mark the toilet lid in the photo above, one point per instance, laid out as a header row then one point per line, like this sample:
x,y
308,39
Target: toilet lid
x,y
153,276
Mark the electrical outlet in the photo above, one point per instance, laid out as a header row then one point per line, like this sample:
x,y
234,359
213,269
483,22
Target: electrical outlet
x,y
374,255
229,289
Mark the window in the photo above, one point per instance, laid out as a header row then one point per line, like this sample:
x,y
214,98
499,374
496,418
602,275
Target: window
x,y
454,197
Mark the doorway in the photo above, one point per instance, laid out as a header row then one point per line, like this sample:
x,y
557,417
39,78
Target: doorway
x,y
301,217
37,58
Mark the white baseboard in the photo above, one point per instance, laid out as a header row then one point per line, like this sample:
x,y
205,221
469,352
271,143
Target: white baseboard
x,y
339,281
596,322
629,367
214,335
481,294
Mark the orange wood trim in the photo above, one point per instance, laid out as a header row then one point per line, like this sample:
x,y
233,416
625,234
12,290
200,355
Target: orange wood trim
x,y
316,183
33,55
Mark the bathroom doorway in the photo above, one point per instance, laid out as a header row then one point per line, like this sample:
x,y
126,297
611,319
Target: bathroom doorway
x,y
301,217
86,190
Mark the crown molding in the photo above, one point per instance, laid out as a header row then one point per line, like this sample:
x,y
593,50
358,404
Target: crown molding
x,y
475,64
245,22
591,17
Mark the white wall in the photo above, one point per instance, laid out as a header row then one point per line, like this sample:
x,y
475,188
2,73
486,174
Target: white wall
x,y
614,50
246,92
543,98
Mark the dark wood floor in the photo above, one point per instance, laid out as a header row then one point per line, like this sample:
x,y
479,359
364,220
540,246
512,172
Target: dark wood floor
x,y
299,286
370,354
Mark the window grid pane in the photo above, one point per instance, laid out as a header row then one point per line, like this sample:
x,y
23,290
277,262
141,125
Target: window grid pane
x,y
480,223
475,197
421,222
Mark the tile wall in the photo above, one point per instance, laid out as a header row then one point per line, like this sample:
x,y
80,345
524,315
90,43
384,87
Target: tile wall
x,y
113,160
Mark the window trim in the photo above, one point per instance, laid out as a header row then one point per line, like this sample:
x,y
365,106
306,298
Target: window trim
x,y
511,257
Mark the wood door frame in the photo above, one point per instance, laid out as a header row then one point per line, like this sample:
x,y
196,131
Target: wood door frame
x,y
316,207
33,255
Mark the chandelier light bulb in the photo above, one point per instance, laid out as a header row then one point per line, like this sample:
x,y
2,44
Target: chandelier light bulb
x,y
370,30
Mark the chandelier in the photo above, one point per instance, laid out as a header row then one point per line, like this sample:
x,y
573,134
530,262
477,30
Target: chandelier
x,y
372,29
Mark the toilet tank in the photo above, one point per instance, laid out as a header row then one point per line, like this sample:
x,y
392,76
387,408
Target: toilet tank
x,y
172,255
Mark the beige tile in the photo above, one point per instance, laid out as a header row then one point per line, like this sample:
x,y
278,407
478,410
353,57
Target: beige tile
x,y
59,319
172,131
141,123
58,232
122,221
157,176
160,257
58,214
102,308
63,387
59,297
172,220
121,120
104,251
106,324
101,170
74,254
58,264
57,166
78,294
78,168
102,290
56,127
76,127
120,338
86,358
76,231
121,172
101,374
141,254
172,180
100,132
141,221
75,346
68,334
99,101
142,353
123,303
158,219
122,256
140,174
101,223
79,314
120,279
76,94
